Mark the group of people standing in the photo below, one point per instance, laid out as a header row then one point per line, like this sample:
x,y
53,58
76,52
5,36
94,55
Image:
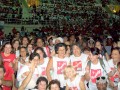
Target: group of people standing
x,y
59,64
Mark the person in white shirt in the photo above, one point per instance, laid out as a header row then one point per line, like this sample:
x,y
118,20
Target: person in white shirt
x,y
73,80
21,61
115,58
43,60
78,59
118,68
41,83
57,64
25,71
96,67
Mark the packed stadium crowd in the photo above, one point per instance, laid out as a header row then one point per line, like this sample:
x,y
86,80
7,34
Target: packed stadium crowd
x,y
73,61
78,50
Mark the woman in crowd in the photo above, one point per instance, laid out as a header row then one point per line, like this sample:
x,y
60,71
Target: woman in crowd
x,y
3,82
23,59
57,64
24,41
8,62
43,62
41,43
41,83
73,81
54,85
26,70
115,58
96,67
28,78
16,47
78,59
109,43
30,48
103,52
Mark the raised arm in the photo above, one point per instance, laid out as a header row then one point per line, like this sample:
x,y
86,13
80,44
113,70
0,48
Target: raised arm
x,y
49,67
28,78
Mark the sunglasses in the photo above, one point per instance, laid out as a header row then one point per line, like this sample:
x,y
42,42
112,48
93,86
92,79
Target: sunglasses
x,y
98,78
101,79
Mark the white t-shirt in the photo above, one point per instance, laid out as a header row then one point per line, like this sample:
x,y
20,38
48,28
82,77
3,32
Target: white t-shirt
x,y
35,76
75,84
58,68
44,66
97,71
116,75
79,63
20,65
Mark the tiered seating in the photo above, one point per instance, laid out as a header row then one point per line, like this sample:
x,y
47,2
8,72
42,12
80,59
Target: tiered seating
x,y
10,11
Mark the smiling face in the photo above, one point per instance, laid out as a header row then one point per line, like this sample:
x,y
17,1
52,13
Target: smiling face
x,y
69,73
23,52
42,85
16,44
30,48
7,49
115,55
76,50
93,57
61,51
40,43
25,41
54,87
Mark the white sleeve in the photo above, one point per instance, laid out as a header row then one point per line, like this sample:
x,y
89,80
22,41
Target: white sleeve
x,y
23,70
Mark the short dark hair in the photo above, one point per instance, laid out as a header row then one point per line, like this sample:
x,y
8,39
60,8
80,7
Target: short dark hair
x,y
34,55
41,49
95,51
41,79
54,82
59,45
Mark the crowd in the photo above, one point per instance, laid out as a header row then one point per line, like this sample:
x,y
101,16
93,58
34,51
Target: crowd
x,y
72,62
78,50
10,12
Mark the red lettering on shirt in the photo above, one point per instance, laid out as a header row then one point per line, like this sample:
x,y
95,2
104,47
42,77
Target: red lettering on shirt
x,y
95,73
77,65
60,66
114,76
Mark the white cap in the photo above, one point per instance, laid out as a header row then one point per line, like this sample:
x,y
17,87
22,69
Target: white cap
x,y
59,38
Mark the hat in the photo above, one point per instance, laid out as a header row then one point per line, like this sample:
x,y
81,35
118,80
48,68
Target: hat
x,y
59,38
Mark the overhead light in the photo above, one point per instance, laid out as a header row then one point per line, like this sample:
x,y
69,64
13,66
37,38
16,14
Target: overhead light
x,y
33,2
114,8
